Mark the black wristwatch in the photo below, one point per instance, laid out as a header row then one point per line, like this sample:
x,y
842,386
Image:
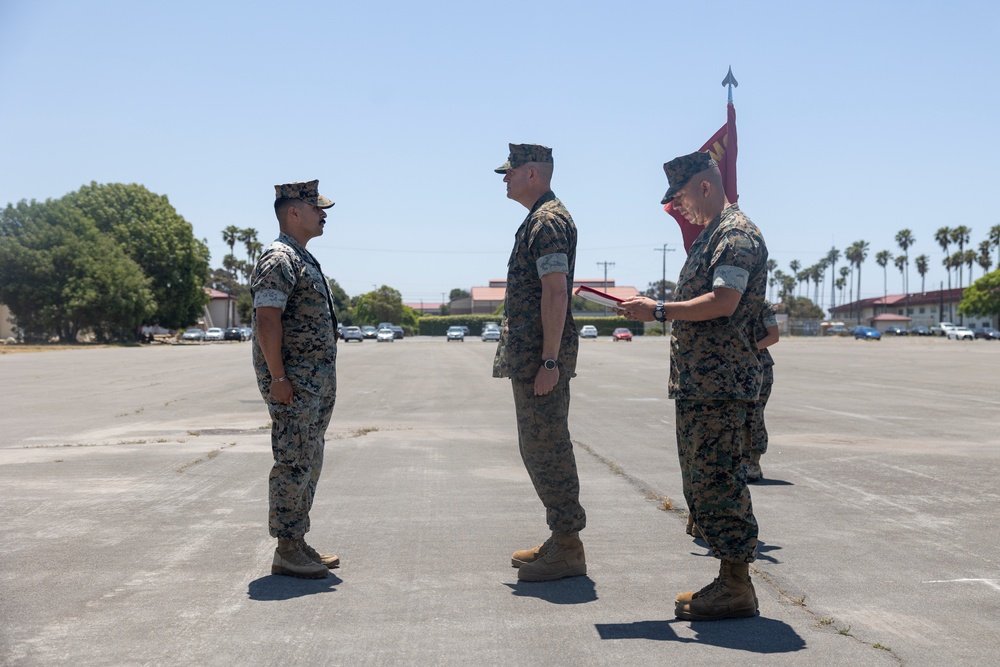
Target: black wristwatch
x,y
659,314
550,364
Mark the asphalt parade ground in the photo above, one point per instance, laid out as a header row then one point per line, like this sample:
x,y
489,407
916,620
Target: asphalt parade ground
x,y
133,507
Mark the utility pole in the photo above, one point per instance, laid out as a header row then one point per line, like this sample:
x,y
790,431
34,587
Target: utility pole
x,y
663,281
606,265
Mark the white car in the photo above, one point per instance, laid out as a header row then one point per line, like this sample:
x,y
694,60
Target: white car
x,y
215,333
961,333
588,331
490,333
385,335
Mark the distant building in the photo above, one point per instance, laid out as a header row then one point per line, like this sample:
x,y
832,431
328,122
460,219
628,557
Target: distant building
x,y
221,310
425,307
485,300
923,308
6,326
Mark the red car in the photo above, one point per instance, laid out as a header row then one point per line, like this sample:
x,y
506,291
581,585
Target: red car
x,y
621,333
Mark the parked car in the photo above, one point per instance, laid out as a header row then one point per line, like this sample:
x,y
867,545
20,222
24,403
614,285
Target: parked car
x,y
490,332
838,330
369,331
234,333
397,331
986,333
247,333
942,329
867,333
193,334
588,331
896,330
621,333
385,335
920,330
455,333
353,333
215,333
960,333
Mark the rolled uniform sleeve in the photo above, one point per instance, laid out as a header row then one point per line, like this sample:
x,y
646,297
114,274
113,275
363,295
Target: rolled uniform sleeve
x,y
555,263
732,277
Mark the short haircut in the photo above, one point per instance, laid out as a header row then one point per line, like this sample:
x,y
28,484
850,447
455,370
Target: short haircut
x,y
544,169
281,206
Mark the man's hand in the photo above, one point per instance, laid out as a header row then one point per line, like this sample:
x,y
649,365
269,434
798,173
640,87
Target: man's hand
x,y
546,380
282,391
637,308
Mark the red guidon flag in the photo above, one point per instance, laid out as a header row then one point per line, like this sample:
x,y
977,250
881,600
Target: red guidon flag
x,y
722,146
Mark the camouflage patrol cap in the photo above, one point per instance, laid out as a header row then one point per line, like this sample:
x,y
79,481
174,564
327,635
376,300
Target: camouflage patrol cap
x,y
307,191
680,170
523,154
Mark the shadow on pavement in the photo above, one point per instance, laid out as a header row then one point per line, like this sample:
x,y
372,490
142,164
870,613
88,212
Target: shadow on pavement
x,y
573,590
274,587
756,635
762,552
765,481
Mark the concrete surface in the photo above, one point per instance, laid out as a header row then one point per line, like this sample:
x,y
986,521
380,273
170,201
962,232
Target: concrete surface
x,y
133,513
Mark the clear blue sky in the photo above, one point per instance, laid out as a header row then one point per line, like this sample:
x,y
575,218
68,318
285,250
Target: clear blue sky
x,y
856,119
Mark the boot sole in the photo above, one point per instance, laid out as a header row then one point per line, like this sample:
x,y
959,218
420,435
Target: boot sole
x,y
276,569
577,571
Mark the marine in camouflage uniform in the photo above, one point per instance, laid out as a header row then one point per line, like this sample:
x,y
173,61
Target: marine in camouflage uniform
x,y
296,371
715,376
765,331
539,362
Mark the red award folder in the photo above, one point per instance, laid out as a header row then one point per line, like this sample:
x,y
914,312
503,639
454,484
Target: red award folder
x,y
597,296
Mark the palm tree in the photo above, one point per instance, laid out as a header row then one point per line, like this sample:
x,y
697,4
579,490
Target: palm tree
x,y
771,266
922,262
841,283
960,235
969,258
994,238
844,272
816,272
832,257
230,235
943,237
248,237
904,238
858,258
794,267
803,277
984,258
882,258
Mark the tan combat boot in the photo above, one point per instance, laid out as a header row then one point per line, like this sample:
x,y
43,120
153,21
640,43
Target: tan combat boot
x,y
522,556
731,595
329,561
291,561
564,558
754,473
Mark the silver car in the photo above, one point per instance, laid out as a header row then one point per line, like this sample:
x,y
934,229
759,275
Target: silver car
x,y
491,333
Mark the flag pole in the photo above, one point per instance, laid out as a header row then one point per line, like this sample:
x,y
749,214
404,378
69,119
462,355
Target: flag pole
x,y
730,81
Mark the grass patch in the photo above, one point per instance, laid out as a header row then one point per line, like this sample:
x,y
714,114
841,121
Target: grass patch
x,y
881,647
826,621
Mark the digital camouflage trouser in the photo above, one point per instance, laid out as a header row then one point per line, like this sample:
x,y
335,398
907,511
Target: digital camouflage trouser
x,y
710,436
547,452
297,442
755,416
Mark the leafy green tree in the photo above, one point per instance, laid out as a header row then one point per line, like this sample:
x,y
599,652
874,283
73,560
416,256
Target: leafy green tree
x,y
159,240
661,290
802,308
60,275
382,305
982,297
457,294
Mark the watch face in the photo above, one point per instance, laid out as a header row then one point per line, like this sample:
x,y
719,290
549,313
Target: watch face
x,y
550,364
